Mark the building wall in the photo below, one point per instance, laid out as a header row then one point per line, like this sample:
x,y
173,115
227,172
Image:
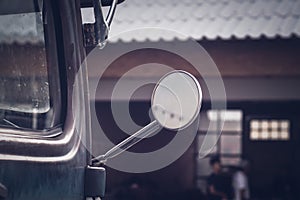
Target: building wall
x,y
234,58
253,71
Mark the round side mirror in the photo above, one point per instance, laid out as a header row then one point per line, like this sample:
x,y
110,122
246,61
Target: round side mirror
x,y
175,103
176,100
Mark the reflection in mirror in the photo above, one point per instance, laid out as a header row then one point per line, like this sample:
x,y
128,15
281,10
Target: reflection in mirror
x,y
175,103
176,100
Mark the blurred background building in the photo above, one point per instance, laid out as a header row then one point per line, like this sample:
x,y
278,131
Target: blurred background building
x,y
256,46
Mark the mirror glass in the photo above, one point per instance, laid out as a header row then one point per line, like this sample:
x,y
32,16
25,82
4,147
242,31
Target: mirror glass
x,y
176,100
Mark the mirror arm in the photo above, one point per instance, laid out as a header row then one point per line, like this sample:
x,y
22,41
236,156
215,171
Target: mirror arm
x,y
111,12
150,129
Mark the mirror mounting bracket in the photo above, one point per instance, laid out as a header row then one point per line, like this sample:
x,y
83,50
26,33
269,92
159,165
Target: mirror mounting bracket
x,y
90,39
94,182
96,34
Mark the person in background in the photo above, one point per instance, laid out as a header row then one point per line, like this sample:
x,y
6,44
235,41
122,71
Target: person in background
x,y
240,182
216,182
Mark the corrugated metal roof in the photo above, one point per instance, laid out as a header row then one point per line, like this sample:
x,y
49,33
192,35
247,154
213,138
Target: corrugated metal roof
x,y
210,19
21,28
198,19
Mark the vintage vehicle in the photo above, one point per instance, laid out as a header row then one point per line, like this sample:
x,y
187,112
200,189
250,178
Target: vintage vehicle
x,y
41,50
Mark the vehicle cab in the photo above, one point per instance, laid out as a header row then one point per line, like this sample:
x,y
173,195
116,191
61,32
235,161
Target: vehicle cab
x,y
44,112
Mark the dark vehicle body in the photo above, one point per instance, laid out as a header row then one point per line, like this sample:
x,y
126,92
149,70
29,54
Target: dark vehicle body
x,y
50,163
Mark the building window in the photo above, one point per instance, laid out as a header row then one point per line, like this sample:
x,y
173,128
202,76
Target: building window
x,y
228,144
269,129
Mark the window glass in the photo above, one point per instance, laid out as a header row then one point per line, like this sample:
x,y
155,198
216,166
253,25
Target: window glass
x,y
25,100
231,119
269,129
231,144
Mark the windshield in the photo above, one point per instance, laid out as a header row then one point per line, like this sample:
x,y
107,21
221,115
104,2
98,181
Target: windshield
x,y
24,72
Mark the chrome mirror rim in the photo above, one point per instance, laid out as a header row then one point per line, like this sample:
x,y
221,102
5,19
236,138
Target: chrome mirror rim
x,y
199,97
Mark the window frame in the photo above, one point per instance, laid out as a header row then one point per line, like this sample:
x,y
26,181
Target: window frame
x,y
64,143
217,149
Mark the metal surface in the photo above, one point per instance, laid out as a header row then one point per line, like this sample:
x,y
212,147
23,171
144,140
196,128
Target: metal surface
x,y
3,191
101,26
53,168
95,181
